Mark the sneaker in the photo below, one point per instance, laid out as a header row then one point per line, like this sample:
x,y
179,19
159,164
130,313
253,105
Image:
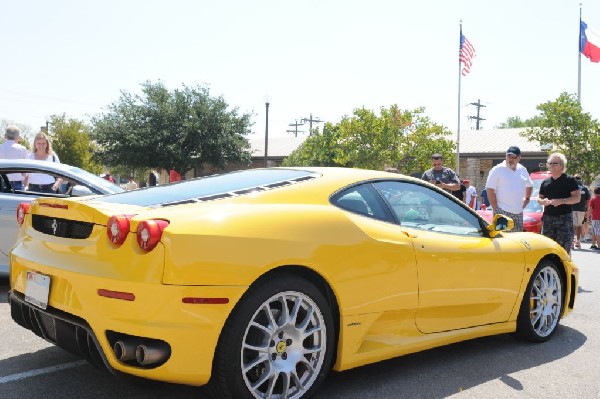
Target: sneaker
x,y
594,246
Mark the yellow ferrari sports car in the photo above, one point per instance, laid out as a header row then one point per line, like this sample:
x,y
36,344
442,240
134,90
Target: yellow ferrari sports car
x,y
259,282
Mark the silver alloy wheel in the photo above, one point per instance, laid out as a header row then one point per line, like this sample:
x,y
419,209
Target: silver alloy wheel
x,y
545,301
284,346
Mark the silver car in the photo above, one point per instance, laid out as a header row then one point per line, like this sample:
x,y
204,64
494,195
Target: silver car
x,y
76,183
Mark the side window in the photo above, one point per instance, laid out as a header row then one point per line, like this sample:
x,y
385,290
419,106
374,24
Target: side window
x,y
422,208
362,199
4,184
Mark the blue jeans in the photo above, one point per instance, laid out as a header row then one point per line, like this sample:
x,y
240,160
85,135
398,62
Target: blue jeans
x,y
42,188
16,184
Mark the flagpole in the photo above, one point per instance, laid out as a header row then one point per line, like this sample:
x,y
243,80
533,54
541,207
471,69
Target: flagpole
x,y
579,63
458,127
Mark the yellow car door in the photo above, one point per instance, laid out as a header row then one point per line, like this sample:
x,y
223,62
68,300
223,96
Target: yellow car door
x,y
465,281
465,278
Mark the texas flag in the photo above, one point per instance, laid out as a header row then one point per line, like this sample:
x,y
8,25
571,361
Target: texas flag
x,y
589,42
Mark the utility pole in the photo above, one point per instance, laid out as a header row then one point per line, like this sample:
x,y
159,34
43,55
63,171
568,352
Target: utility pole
x,y
477,118
310,120
295,124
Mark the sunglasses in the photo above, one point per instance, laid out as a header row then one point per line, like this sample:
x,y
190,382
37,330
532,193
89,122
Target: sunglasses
x,y
552,163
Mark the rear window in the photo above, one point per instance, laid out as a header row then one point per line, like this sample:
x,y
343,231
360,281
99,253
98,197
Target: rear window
x,y
212,187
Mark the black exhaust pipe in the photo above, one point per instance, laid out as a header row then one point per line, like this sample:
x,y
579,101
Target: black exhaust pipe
x,y
152,353
125,350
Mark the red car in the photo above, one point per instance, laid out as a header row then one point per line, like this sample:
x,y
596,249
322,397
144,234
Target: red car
x,y
537,178
532,216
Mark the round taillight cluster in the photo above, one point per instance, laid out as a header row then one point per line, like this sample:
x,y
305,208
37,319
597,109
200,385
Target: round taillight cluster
x,y
118,228
149,233
22,210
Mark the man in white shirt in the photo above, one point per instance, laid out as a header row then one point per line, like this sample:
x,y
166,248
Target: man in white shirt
x,y
131,184
509,187
11,149
470,195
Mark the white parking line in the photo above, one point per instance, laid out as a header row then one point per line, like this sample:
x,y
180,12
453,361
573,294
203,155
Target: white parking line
x,y
45,370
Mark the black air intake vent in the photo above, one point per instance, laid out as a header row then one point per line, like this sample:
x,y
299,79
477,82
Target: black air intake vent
x,y
62,227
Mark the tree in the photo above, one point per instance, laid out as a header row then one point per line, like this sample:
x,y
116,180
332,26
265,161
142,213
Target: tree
x,y
317,149
396,138
569,130
516,122
71,141
179,129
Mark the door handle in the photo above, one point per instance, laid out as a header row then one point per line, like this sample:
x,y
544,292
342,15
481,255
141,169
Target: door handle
x,y
410,235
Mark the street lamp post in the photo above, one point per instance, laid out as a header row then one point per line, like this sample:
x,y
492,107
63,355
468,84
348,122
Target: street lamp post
x,y
267,101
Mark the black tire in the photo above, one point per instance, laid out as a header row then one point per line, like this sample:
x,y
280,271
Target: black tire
x,y
283,356
542,304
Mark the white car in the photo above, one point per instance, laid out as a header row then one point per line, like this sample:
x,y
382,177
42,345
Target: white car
x,y
76,183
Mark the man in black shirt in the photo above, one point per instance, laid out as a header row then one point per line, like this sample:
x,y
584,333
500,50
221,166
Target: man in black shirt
x,y
557,195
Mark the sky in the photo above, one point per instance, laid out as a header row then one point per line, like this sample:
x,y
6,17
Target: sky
x,y
323,58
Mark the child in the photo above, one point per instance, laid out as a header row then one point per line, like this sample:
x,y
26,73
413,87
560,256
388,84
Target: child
x,y
594,212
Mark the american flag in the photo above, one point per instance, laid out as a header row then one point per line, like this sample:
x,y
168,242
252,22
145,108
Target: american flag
x,y
466,54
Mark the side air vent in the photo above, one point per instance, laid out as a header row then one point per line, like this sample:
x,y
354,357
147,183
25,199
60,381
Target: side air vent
x,y
62,227
214,197
248,191
280,184
304,178
189,201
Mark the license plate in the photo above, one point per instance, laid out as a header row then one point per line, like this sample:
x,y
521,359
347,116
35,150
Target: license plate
x,y
37,289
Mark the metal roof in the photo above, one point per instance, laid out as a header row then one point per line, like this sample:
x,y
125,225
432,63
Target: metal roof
x,y
490,141
278,146
494,141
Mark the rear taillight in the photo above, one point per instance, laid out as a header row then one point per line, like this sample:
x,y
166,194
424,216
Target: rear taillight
x,y
149,233
22,210
117,228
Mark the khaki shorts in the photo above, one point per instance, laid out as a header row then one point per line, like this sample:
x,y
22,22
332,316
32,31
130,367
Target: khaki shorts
x,y
578,218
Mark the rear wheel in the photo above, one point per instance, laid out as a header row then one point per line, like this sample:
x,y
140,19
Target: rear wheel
x,y
542,304
278,342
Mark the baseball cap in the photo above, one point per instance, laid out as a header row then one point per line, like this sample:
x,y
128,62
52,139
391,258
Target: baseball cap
x,y
513,150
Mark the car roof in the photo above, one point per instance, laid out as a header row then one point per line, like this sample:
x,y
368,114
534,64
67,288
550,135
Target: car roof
x,y
66,170
317,184
34,164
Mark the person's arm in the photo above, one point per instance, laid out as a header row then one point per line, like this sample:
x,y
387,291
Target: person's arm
x,y
571,200
57,184
528,191
491,195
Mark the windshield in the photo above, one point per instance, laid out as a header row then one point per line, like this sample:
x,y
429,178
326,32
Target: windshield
x,y
98,181
533,206
212,187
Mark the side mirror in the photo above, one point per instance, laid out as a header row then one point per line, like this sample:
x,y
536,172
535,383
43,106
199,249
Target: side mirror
x,y
500,223
80,191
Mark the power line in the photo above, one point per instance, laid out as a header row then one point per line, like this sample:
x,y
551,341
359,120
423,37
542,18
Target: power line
x,y
477,118
295,125
310,120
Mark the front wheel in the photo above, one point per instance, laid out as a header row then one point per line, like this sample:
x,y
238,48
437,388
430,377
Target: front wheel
x,y
277,343
542,304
